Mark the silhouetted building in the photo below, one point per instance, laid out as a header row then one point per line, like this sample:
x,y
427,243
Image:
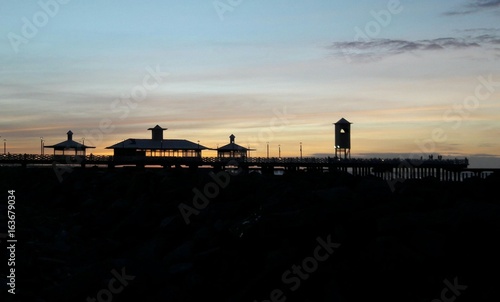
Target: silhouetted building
x,y
343,138
69,145
157,146
233,150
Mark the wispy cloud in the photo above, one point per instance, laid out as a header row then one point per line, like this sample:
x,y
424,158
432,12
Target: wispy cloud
x,y
474,7
378,48
483,35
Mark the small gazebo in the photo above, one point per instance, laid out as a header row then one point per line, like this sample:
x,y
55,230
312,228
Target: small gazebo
x,y
70,145
233,150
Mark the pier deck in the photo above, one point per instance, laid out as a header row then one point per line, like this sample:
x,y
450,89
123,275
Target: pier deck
x,y
443,169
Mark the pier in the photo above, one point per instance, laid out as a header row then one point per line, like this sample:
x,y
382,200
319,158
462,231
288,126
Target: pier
x,y
442,169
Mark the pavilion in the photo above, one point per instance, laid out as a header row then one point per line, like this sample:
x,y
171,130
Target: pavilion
x,y
233,150
70,145
157,146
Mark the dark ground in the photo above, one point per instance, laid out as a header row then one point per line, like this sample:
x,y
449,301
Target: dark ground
x,y
394,246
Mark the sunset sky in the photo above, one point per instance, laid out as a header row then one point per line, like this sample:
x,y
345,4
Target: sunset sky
x,y
412,76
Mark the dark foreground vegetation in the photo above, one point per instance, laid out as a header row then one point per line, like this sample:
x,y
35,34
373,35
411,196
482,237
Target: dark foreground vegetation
x,y
424,240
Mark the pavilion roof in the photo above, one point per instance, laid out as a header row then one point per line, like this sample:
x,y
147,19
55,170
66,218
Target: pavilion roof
x,y
69,144
233,147
343,121
149,144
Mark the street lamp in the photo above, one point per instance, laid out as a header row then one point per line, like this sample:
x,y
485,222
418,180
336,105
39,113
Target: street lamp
x,y
300,150
267,149
279,151
199,153
4,146
41,145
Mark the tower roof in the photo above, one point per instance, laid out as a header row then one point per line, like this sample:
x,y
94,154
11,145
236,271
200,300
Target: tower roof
x,y
343,121
157,127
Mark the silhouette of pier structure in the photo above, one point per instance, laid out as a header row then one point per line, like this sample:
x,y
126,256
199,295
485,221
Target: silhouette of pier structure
x,y
182,154
442,169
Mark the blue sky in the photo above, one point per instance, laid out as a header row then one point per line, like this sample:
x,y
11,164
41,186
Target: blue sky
x,y
406,73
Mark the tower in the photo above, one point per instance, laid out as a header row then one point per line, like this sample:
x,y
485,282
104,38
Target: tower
x,y
343,138
157,133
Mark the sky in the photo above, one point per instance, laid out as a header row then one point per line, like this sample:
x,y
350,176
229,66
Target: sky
x,y
413,77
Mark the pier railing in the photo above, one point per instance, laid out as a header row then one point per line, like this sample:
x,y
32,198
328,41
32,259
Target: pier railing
x,y
34,158
395,168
